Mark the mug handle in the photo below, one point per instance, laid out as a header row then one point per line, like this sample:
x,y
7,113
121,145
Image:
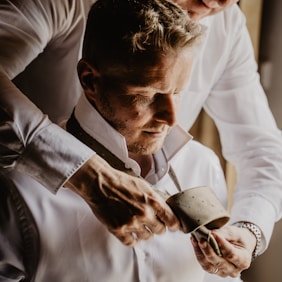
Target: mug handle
x,y
203,233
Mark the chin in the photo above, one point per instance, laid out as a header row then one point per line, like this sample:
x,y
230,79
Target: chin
x,y
142,149
153,149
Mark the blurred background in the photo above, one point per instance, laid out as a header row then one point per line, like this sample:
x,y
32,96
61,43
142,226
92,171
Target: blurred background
x,y
264,21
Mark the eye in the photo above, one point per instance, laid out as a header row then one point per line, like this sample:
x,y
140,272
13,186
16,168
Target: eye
x,y
144,99
140,99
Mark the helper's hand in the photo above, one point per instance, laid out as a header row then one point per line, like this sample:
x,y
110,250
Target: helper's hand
x,y
127,205
236,244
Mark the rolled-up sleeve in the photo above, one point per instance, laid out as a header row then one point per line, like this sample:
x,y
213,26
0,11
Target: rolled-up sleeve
x,y
30,143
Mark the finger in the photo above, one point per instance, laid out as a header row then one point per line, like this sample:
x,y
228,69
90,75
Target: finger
x,y
148,221
164,213
197,250
143,233
156,227
145,227
213,263
222,271
221,265
127,233
217,268
235,254
151,221
129,239
130,236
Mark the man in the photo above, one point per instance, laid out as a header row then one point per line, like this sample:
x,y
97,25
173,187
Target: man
x,y
133,72
224,80
46,35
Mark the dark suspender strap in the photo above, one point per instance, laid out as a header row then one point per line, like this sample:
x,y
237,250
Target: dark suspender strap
x,y
75,129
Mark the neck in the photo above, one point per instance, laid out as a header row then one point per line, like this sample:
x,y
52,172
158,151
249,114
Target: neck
x,y
144,161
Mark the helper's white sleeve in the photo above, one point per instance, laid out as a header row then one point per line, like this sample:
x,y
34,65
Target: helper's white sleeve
x,y
249,135
29,142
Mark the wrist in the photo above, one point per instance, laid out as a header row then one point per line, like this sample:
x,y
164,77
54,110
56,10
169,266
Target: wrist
x,y
86,177
254,229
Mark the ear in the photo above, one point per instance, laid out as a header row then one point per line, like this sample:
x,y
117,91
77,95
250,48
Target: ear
x,y
88,77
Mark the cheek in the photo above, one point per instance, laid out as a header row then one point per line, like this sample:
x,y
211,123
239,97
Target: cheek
x,y
127,116
131,117
138,112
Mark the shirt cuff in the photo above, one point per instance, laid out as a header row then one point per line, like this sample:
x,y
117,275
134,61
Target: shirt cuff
x,y
53,156
258,211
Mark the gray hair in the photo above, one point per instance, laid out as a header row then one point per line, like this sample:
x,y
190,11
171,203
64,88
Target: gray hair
x,y
124,31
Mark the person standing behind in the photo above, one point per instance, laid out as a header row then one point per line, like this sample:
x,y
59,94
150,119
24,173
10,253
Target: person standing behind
x,y
226,83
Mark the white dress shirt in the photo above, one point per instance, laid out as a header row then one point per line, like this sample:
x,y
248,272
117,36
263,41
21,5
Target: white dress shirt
x,y
225,82
75,246
46,35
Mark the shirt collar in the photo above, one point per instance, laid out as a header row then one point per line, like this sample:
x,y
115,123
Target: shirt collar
x,y
91,122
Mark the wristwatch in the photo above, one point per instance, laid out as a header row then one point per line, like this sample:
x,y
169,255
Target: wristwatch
x,y
257,233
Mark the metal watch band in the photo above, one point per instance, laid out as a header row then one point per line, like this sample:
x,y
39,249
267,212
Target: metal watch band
x,y
256,231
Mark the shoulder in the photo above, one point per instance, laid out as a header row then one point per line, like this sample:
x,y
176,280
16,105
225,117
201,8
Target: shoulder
x,y
199,149
43,12
225,23
198,157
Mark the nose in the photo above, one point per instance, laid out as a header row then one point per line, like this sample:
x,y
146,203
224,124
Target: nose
x,y
165,107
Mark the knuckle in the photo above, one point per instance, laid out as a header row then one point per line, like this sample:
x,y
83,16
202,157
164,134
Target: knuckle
x,y
223,274
234,274
160,229
245,264
231,256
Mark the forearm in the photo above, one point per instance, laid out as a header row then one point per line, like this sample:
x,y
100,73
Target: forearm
x,y
258,194
252,142
257,210
29,142
52,157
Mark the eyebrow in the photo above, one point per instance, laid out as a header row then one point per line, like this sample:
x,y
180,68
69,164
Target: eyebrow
x,y
145,89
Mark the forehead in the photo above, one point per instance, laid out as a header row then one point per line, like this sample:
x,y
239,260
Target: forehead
x,y
152,71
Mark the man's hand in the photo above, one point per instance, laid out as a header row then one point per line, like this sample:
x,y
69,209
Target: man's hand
x,y
236,245
127,205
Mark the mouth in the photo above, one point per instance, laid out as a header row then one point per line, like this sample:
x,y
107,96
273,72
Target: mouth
x,y
156,133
